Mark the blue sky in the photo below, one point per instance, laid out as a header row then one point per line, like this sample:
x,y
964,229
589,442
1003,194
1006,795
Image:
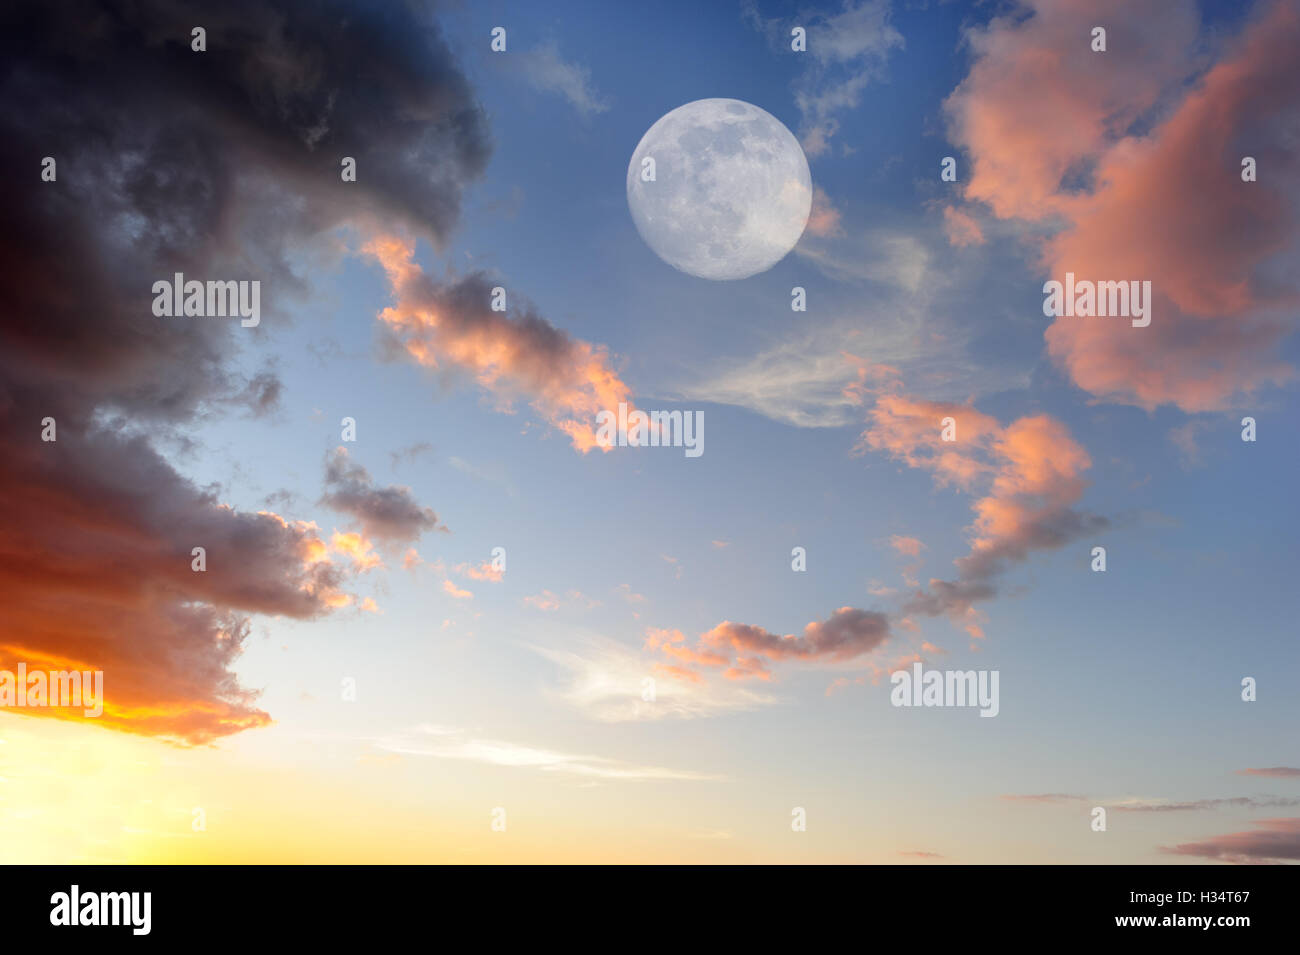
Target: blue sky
x,y
1116,686
1119,683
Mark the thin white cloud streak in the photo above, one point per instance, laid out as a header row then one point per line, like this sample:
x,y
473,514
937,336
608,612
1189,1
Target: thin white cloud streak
x,y
442,742
604,681
889,257
912,317
846,51
547,71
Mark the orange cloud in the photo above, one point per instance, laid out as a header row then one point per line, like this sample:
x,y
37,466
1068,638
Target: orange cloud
x,y
96,553
483,571
1030,472
912,429
108,584
824,219
744,651
356,548
512,354
678,673
456,592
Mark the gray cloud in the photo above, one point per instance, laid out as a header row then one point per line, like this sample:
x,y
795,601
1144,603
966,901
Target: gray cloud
x,y
222,164
388,514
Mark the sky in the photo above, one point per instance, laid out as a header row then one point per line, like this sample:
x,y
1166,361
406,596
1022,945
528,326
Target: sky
x,y
439,621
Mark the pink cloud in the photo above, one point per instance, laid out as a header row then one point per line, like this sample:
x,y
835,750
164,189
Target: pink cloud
x,y
744,651
456,592
961,228
1060,135
512,354
1277,772
908,546
1030,473
824,219
1275,840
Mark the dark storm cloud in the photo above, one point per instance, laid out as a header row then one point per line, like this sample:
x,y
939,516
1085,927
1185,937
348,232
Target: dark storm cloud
x,y
221,164
213,164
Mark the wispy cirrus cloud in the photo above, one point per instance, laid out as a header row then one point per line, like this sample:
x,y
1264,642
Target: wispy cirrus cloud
x,y
1200,805
1156,805
1277,772
1048,798
896,301
550,601
607,681
549,72
441,742
846,51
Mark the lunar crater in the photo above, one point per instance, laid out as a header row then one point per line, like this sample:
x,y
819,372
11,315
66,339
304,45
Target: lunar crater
x,y
731,193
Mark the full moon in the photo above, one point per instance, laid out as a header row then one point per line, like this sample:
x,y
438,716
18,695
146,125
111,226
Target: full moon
x,y
730,193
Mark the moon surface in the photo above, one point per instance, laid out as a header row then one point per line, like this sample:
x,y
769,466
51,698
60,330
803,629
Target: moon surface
x,y
731,191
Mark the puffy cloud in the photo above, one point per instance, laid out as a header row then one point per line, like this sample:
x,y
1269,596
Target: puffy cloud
x,y
908,546
961,228
1105,151
168,165
1030,472
96,569
356,548
452,590
387,514
512,354
911,429
743,651
1038,102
